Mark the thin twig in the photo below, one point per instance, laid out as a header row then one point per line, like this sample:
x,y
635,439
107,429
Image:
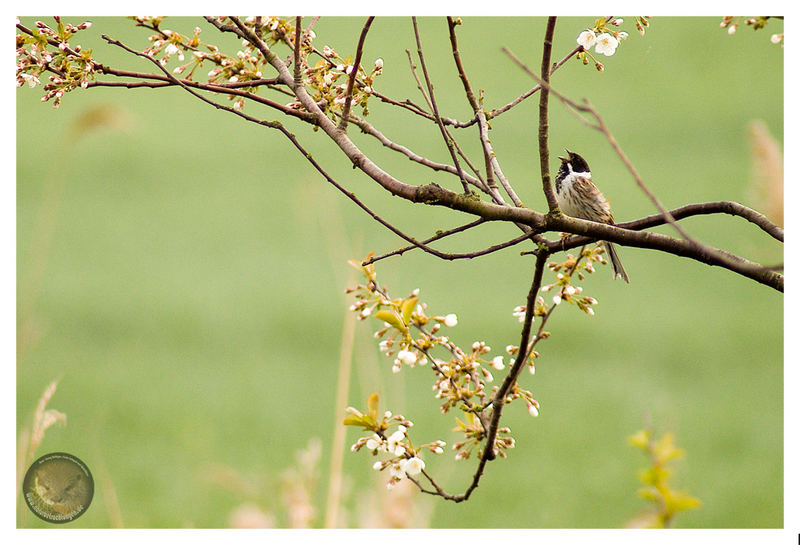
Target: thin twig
x,y
438,236
497,111
369,129
544,128
352,79
432,102
453,257
498,400
490,158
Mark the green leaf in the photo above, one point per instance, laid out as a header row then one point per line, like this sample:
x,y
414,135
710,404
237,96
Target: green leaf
x,y
372,405
407,308
391,318
355,420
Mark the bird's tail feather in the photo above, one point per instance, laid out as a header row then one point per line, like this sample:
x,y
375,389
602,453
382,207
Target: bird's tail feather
x,y
616,264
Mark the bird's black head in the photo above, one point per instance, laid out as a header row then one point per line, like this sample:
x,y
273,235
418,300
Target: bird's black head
x,y
574,160
569,164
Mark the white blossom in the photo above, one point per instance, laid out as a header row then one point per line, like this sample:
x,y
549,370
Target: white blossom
x,y
31,80
451,320
374,442
172,49
533,411
498,364
586,39
413,466
407,356
606,44
396,471
378,64
394,445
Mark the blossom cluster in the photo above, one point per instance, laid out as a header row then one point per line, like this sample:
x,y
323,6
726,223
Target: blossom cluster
x,y
399,456
564,290
757,23
575,266
411,337
246,65
605,38
329,80
472,428
46,49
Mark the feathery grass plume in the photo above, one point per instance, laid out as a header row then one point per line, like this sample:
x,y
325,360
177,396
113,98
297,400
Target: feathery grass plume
x,y
299,486
767,171
401,507
31,438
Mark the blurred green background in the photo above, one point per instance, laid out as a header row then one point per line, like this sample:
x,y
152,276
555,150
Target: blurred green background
x,y
182,273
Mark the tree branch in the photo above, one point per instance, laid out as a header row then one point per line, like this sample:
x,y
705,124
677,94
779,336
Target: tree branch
x,y
434,195
544,127
435,108
352,79
490,158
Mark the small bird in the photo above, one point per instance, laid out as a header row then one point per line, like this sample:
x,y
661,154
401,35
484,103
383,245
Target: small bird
x,y
578,197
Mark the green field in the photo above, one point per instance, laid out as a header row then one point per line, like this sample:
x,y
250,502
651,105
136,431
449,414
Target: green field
x,y
181,272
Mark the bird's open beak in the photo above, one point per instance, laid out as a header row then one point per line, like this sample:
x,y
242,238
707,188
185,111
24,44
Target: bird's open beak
x,y
567,158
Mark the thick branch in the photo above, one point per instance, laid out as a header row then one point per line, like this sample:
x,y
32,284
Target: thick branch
x,y
724,207
655,241
436,195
